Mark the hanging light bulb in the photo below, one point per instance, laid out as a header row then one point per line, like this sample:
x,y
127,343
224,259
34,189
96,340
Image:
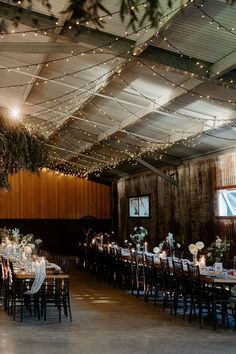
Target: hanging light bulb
x,y
15,113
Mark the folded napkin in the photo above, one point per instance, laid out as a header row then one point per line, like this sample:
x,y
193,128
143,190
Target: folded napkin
x,y
40,275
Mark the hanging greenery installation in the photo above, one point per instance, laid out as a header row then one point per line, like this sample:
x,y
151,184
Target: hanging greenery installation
x,y
19,149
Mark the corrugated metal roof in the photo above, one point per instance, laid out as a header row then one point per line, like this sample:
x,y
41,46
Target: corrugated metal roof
x,y
195,36
37,6
95,116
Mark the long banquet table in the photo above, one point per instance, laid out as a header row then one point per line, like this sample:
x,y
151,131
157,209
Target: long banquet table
x,y
51,290
61,287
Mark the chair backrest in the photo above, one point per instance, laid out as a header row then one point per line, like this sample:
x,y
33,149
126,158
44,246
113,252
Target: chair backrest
x,y
165,265
178,268
193,271
149,260
179,253
234,262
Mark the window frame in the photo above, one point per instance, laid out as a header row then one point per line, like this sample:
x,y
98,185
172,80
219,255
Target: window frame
x,y
218,189
136,202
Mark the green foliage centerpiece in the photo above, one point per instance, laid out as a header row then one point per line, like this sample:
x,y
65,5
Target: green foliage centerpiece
x,y
217,250
138,236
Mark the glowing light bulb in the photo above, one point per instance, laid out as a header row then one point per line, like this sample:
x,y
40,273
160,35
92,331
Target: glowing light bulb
x,y
15,113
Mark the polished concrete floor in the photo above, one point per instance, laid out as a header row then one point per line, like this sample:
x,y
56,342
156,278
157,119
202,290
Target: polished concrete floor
x,y
110,321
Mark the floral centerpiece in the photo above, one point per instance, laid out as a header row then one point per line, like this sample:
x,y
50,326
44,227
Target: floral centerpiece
x,y
194,248
138,236
169,244
217,250
17,246
102,238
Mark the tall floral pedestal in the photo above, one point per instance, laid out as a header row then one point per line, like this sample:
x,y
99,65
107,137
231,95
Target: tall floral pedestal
x,y
194,259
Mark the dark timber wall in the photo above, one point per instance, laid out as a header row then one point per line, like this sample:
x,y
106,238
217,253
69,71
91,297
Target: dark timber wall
x,y
189,210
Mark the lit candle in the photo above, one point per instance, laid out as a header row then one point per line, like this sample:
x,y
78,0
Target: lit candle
x,y
145,247
163,254
202,262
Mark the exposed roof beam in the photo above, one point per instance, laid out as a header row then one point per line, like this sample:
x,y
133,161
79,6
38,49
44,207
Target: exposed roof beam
x,y
33,79
39,47
96,89
94,38
189,84
223,65
126,122
62,83
155,170
72,152
211,153
159,58
61,21
165,100
173,61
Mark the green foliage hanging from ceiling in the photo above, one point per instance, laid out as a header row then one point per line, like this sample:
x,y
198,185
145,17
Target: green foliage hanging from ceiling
x,y
19,149
137,12
91,10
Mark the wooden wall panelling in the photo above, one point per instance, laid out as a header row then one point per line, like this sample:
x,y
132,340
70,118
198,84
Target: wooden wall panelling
x,y
84,198
182,213
52,196
79,196
188,210
90,197
49,202
99,196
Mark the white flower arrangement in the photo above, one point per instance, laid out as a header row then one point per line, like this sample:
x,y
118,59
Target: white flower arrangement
x,y
194,248
169,244
156,250
38,242
15,245
217,250
139,234
16,234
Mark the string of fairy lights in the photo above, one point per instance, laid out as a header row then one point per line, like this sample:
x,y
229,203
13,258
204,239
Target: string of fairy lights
x,y
126,149
169,81
107,44
212,21
117,150
127,84
67,59
44,31
77,23
195,93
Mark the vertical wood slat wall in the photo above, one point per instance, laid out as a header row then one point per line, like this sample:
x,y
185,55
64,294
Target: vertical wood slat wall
x,y
189,210
54,196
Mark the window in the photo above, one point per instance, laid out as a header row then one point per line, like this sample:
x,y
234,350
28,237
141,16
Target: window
x,y
139,207
227,202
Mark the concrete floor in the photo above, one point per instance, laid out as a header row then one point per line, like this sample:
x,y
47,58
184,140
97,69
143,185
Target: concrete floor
x,y
110,321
